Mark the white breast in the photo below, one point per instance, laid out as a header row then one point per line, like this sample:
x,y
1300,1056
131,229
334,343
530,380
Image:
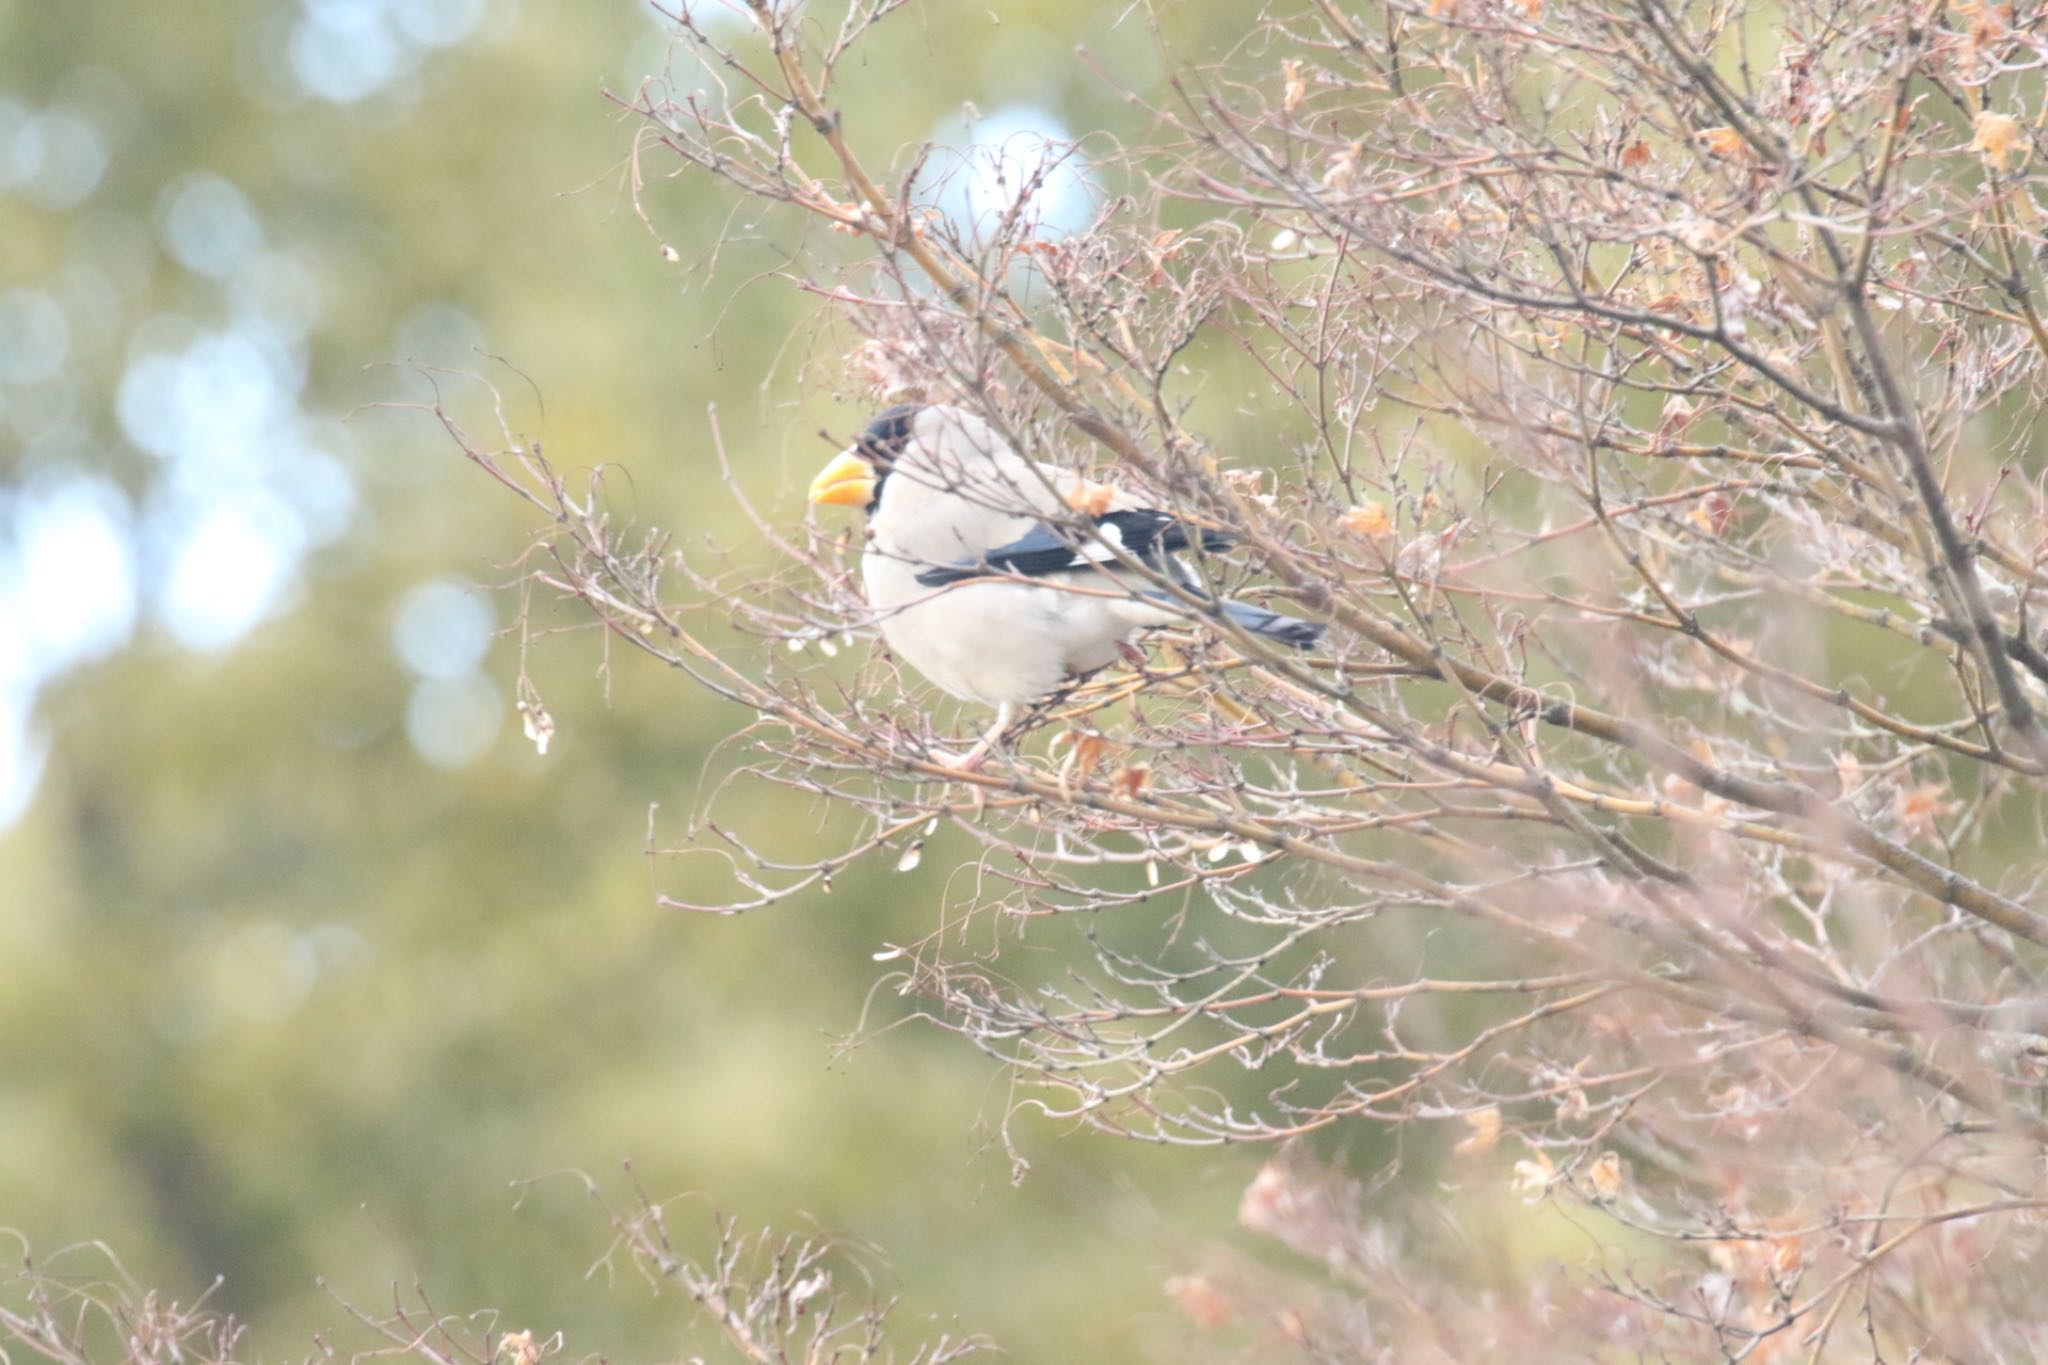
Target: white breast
x,y
958,493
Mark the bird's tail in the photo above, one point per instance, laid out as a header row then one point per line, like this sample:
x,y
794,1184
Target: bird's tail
x,y
1288,630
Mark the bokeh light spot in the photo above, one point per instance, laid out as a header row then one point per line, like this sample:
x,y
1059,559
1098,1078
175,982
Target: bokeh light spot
x,y
1018,151
344,50
453,721
442,629
72,572
209,225
438,23
70,158
22,755
34,336
439,333
228,567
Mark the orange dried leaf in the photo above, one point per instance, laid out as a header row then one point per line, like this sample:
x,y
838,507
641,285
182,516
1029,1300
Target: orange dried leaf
x,y
1367,519
1605,1173
1636,154
1712,513
1786,1257
1722,141
1200,1299
849,218
1091,499
1997,135
1485,1125
1987,22
1293,88
1917,808
1130,781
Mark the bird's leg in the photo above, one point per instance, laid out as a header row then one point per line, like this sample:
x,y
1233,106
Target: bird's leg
x,y
971,760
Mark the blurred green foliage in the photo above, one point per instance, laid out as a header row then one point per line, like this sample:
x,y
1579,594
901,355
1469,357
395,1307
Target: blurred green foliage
x,y
279,997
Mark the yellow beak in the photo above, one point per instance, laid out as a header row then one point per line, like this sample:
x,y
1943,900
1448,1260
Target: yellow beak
x,y
848,481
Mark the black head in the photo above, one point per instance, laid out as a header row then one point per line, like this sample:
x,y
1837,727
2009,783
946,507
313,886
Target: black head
x,y
883,441
881,445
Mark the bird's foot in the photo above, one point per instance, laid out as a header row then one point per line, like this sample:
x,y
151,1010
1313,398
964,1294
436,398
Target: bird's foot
x,y
967,765
969,762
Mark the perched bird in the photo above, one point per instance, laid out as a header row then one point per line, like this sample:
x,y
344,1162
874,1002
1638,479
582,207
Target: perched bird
x,y
999,578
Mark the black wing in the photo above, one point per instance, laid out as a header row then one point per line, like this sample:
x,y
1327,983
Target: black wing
x,y
1145,534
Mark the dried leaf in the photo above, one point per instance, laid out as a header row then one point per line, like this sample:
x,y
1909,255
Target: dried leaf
x,y
1532,1177
1677,416
1267,1200
1293,88
1787,1257
1987,22
1574,1105
1343,168
519,1348
1086,756
1128,782
850,219
1200,1299
1997,136
538,724
1918,808
1485,1125
1723,141
1605,1173
1091,499
1636,154
1712,513
1367,519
